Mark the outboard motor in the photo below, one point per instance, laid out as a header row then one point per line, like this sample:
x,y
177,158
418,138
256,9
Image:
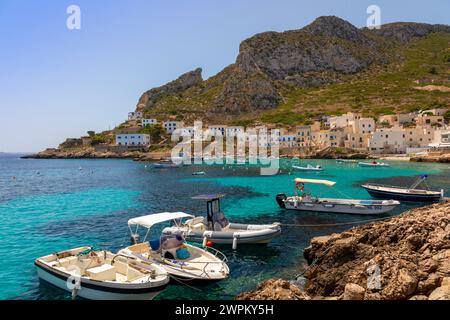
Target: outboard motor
x,y
280,199
135,238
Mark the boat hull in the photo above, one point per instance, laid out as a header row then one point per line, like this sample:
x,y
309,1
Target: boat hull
x,y
245,236
329,205
93,291
380,194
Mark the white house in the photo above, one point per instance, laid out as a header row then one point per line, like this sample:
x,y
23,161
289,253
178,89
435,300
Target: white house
x,y
135,115
363,125
132,139
150,122
441,140
343,120
171,126
390,140
234,131
288,140
217,130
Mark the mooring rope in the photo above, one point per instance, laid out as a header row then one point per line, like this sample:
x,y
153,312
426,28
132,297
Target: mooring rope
x,y
183,283
333,224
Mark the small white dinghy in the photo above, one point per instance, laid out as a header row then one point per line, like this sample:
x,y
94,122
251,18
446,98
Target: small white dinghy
x,y
373,164
171,252
101,275
307,202
215,227
346,161
308,168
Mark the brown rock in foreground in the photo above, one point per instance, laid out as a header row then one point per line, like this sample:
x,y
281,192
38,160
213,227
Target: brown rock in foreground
x,y
405,257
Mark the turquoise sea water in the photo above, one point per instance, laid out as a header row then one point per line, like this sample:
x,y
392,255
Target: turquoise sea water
x,y
52,205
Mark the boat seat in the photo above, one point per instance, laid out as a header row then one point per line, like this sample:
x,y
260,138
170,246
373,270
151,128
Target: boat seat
x,y
133,273
105,272
65,262
195,223
140,247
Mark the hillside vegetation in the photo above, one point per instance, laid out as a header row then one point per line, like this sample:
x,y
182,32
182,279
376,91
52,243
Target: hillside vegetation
x,y
327,67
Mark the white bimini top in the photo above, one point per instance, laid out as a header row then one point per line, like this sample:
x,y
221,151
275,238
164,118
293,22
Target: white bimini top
x,y
152,219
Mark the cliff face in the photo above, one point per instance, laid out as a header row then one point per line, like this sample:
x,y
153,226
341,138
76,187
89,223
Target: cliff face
x,y
270,63
406,257
184,82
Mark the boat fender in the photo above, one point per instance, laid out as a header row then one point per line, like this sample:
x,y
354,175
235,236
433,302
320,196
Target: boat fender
x,y
206,235
235,242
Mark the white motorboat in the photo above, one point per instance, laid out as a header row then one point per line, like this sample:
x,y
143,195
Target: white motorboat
x,y
373,164
346,161
171,252
307,202
199,173
101,275
308,168
167,164
215,227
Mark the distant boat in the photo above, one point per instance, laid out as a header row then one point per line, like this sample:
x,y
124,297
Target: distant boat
x,y
199,173
405,194
166,164
307,202
373,164
308,168
346,161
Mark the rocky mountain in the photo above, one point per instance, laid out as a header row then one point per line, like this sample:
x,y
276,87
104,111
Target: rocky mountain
x,y
272,66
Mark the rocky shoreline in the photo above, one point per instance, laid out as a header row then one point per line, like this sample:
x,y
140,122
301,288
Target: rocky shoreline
x,y
91,153
406,257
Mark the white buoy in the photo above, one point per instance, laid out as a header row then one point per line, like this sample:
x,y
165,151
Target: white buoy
x,y
235,241
204,241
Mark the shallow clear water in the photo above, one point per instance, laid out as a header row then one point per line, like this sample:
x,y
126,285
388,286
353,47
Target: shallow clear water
x,y
52,205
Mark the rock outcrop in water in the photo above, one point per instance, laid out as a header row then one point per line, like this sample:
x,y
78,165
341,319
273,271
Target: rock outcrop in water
x,y
405,257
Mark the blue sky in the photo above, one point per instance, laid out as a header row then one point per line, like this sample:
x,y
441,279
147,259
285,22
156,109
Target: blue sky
x,y
57,83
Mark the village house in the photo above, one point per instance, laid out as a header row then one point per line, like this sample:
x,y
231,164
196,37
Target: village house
x,y
217,130
363,125
357,141
135,115
398,119
150,122
428,119
234,131
419,137
436,111
304,134
288,140
388,140
441,140
171,126
329,138
132,139
343,120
